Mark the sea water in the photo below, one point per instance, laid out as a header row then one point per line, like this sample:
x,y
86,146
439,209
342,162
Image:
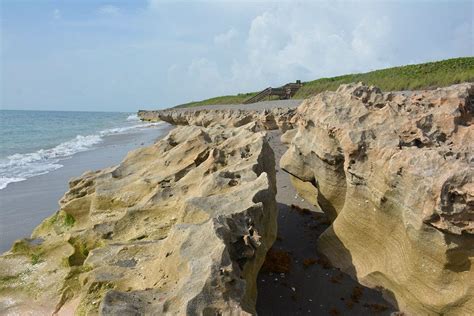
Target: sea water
x,y
35,142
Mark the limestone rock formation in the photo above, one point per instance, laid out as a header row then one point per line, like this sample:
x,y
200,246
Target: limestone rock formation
x,y
266,119
395,173
179,227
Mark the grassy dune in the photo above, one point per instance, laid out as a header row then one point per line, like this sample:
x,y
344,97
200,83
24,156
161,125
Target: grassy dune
x,y
412,77
226,99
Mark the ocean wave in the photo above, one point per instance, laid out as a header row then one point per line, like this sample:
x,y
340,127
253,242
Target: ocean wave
x,y
19,167
133,117
5,181
120,130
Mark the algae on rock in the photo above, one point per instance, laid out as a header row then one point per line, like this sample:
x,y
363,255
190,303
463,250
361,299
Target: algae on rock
x,y
179,227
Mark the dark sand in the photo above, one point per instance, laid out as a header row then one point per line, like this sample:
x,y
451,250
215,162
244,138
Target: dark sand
x,y
24,205
317,289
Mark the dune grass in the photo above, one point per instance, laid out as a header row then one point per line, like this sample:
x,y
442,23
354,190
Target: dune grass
x,y
226,99
411,77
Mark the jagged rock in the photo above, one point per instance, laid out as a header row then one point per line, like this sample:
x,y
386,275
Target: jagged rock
x,y
266,119
179,227
395,173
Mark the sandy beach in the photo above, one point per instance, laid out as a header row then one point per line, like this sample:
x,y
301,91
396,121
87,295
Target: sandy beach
x,y
23,205
312,286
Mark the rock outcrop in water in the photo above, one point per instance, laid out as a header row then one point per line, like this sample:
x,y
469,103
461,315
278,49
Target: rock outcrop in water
x,y
266,119
395,174
180,227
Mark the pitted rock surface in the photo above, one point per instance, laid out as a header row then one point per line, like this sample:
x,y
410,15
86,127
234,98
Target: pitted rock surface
x,y
179,227
266,119
395,173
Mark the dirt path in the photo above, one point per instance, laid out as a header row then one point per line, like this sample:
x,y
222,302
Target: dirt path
x,y
302,282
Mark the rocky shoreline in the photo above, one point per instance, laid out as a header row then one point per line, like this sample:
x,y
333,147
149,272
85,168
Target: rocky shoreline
x,y
183,226
384,162
266,119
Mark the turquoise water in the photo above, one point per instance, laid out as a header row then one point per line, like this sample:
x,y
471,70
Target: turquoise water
x,y
35,142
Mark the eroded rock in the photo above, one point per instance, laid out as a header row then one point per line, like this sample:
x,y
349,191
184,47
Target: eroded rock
x,y
395,174
265,119
179,227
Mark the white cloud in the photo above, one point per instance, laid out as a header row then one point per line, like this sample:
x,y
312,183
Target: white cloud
x,y
369,39
56,14
174,54
204,74
287,42
226,38
109,10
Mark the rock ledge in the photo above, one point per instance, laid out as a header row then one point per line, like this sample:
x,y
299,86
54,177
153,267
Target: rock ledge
x,y
180,227
395,174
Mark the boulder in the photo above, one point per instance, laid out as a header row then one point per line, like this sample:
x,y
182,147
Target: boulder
x,y
179,227
394,172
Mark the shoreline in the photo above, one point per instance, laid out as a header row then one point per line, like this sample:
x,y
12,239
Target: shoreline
x,y
25,204
241,193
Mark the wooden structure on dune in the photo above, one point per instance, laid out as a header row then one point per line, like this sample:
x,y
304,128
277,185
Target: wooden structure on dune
x,y
284,92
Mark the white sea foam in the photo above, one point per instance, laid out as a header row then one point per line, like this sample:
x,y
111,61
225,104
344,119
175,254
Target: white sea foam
x,y
133,117
5,181
19,167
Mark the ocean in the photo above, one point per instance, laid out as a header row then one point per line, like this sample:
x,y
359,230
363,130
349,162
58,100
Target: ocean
x,y
33,143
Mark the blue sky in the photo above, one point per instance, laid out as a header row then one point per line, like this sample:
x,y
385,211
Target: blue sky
x,y
126,55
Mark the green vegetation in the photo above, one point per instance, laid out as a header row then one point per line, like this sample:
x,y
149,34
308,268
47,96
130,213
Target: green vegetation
x,y
8,280
46,225
81,251
35,258
412,77
23,247
69,220
59,222
12,281
89,305
227,99
20,246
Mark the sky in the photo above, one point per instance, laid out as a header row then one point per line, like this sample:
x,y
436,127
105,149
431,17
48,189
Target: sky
x,y
137,54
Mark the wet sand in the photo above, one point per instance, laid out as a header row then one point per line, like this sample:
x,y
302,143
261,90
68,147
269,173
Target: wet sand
x,y
312,286
24,205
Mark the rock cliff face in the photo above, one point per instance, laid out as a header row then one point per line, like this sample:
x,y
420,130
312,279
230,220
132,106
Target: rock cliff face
x,y
268,119
395,174
180,227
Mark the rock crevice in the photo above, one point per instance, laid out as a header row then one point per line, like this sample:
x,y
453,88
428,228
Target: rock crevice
x,y
183,226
